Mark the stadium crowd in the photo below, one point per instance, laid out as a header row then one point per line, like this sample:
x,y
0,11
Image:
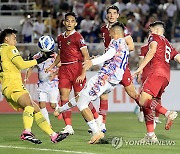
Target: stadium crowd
x,y
135,14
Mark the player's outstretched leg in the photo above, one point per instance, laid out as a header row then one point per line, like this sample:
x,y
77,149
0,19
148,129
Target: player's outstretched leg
x,y
170,115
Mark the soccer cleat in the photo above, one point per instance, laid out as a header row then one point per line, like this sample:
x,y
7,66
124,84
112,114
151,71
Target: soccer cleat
x,y
28,136
148,138
96,137
140,116
171,116
68,129
156,119
58,137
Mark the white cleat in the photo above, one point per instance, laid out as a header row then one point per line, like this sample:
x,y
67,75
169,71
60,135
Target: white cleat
x,y
148,138
170,117
96,137
68,129
140,116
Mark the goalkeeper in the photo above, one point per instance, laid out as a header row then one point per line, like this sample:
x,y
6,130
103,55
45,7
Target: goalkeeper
x,y
14,91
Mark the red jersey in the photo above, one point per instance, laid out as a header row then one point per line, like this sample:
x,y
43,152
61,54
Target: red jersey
x,y
70,47
106,37
147,68
160,63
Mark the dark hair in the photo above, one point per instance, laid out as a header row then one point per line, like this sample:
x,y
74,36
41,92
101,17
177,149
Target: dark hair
x,y
71,14
6,32
157,23
117,24
114,7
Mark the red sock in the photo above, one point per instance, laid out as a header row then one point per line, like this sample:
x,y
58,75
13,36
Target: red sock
x,y
149,119
66,115
103,109
137,100
157,113
93,110
155,106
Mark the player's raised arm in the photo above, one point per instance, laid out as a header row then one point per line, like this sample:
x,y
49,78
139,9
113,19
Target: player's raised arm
x,y
130,43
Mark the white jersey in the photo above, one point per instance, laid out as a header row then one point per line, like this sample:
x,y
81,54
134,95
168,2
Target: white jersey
x,y
43,78
115,61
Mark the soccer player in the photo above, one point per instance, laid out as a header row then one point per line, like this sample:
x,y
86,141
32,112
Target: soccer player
x,y
15,92
159,55
47,84
72,52
112,16
141,79
115,61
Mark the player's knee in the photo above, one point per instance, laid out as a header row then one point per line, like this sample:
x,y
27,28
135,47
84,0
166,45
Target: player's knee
x,y
53,105
42,105
83,102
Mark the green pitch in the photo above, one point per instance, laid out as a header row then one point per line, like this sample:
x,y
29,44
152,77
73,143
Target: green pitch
x,y
124,126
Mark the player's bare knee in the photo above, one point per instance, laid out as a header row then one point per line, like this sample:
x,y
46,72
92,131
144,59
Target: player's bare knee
x,y
53,105
42,105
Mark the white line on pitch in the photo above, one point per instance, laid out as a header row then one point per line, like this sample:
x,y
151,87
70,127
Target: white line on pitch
x,y
40,149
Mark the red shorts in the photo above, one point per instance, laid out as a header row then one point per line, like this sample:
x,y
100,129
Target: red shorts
x,y
68,74
155,85
127,78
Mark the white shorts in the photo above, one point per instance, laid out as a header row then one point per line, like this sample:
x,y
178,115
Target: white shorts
x,y
51,96
95,87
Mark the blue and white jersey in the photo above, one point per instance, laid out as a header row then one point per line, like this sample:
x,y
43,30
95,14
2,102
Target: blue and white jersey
x,y
113,68
43,77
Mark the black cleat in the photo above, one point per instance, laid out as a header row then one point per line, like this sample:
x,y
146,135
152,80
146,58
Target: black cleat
x,y
59,137
28,136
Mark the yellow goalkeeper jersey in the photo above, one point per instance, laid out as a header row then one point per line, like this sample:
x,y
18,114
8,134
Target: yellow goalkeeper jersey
x,y
11,64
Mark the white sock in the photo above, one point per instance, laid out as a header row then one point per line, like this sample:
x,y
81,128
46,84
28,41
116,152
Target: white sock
x,y
150,133
45,114
93,126
66,106
167,113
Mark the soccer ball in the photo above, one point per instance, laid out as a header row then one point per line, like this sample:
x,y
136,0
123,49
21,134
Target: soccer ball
x,y
46,43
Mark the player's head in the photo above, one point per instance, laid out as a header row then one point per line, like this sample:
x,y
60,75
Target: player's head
x,y
8,36
117,30
112,14
157,27
70,21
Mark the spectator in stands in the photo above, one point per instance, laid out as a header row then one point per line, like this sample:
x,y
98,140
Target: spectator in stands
x,y
90,9
144,8
39,28
86,27
131,6
121,6
27,28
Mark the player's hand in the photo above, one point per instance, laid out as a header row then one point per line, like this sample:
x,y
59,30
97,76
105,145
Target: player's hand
x,y
135,74
87,64
81,78
49,69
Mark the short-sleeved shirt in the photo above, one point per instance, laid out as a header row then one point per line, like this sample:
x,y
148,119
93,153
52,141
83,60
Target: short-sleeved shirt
x,y
160,63
70,47
106,37
147,68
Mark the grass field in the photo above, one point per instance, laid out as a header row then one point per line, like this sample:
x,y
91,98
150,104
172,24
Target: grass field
x,y
118,125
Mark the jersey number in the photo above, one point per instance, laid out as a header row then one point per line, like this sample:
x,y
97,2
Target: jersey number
x,y
167,54
124,60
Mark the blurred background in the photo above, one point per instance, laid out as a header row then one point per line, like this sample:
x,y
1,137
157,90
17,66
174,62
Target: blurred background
x,y
33,19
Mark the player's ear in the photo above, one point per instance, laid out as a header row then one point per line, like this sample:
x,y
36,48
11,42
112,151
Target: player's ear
x,y
64,22
76,24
